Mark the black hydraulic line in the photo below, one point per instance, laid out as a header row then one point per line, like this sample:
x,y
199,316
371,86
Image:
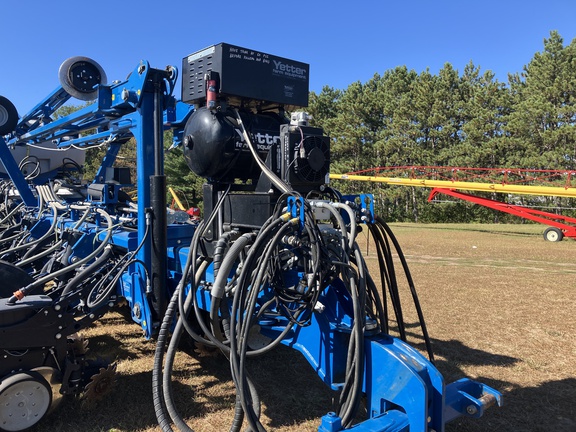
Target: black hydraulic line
x,y
191,267
218,289
36,247
158,395
12,212
237,320
158,398
161,383
167,382
21,293
386,262
384,277
393,288
159,245
158,265
220,250
9,231
377,301
167,375
81,276
359,329
416,301
255,273
109,281
351,394
42,238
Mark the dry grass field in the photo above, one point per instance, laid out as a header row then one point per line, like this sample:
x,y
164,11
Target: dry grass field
x,y
500,306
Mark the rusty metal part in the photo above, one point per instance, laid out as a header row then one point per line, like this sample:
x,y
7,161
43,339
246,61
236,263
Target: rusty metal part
x,y
100,384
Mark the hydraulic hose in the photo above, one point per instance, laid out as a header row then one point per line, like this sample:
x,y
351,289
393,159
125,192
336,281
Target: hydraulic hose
x,y
158,399
21,235
42,238
14,210
219,286
241,321
158,394
220,249
164,406
119,269
191,267
352,217
40,282
356,361
388,274
347,240
42,254
81,276
415,298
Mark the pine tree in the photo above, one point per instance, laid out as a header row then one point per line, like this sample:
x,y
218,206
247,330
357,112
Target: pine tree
x,y
541,126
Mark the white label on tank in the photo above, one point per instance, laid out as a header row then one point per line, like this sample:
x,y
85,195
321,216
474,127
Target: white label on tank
x,y
202,53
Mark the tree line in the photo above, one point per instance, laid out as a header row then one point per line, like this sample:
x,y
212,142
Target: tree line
x,y
467,119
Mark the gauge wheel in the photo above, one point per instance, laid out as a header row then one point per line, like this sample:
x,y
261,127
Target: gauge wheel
x,y
80,76
553,234
25,398
8,116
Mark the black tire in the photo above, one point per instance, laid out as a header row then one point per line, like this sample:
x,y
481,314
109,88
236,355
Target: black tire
x,y
79,76
553,234
8,116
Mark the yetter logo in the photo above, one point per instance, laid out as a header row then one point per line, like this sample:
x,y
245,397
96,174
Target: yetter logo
x,y
290,70
263,141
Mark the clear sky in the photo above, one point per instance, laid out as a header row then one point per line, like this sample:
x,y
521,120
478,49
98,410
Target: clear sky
x,y
343,41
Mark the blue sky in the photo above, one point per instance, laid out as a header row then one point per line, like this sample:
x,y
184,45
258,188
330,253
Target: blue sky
x,y
343,41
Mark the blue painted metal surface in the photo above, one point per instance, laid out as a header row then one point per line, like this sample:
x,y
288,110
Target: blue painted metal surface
x,y
16,175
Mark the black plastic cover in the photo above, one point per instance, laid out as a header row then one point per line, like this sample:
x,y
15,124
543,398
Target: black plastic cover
x,y
247,74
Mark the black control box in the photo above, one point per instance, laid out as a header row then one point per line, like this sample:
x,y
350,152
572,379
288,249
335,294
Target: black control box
x,y
245,75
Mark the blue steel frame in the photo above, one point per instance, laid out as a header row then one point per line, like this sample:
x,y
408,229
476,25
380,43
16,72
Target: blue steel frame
x,y
122,110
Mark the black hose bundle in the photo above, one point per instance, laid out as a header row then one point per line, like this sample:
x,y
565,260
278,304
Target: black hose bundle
x,y
277,275
249,282
383,235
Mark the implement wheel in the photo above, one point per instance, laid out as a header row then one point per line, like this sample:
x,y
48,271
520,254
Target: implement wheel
x,y
8,116
79,76
553,234
24,399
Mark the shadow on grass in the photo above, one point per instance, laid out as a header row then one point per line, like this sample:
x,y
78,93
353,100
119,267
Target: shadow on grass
x,y
547,407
